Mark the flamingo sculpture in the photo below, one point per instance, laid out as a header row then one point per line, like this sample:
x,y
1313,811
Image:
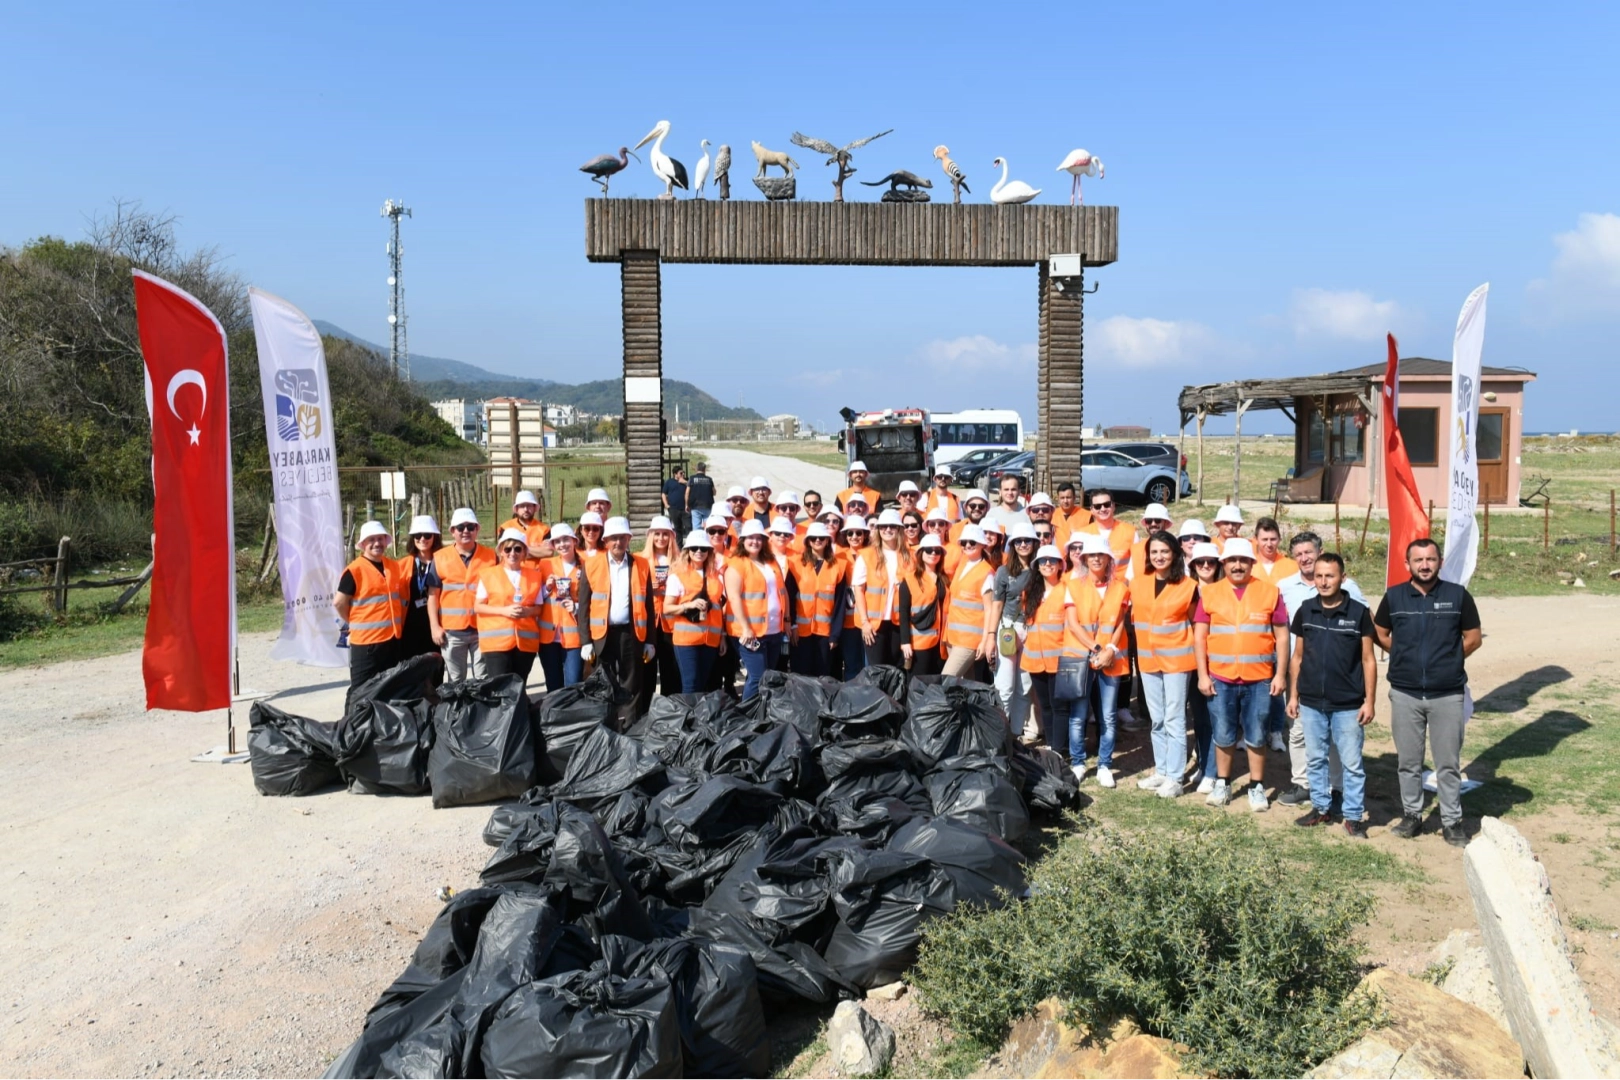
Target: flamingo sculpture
x,y
1007,193
601,168
1080,163
666,168
701,173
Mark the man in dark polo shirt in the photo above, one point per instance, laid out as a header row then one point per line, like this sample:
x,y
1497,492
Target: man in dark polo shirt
x,y
1333,678
1428,627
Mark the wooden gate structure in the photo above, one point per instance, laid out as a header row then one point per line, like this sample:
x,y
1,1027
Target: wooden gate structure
x,y
640,234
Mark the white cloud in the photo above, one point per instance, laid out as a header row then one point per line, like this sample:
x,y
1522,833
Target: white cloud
x,y
978,352
1148,342
1585,276
1354,316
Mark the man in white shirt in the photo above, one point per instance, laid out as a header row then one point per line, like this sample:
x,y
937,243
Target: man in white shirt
x,y
1009,508
620,652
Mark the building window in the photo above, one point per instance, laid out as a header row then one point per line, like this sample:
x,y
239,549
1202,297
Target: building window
x,y
1489,437
1315,439
1420,431
1346,439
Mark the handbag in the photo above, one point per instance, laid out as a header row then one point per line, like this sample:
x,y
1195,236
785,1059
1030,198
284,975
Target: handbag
x,y
1007,641
1073,679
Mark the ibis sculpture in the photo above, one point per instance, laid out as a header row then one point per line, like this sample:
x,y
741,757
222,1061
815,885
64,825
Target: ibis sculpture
x,y
1010,192
666,168
1080,163
606,166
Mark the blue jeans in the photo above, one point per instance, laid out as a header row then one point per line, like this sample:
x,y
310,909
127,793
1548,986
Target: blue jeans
x,y
698,518
1107,691
695,662
562,667
853,646
1277,717
1240,709
1343,731
756,662
1203,729
1166,695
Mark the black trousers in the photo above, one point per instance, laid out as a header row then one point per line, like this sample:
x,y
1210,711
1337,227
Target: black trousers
x,y
1056,727
811,655
927,662
885,647
619,654
368,661
509,662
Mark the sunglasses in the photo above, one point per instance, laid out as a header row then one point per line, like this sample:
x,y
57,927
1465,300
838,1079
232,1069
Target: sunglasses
x,y
934,551
424,536
1043,537
967,544
886,528
821,539
812,506
1203,562
912,526
1195,538
1024,540
463,528
509,548
1102,506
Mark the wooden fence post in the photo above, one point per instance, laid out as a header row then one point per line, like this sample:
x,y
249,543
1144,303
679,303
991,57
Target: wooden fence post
x,y
59,600
1338,537
1546,525
1612,544
1365,521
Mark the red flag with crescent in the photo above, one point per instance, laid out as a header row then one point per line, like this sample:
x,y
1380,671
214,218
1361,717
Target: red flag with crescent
x,y
1407,519
191,624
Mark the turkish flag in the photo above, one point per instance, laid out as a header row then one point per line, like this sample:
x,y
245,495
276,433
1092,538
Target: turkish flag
x,y
1407,521
191,624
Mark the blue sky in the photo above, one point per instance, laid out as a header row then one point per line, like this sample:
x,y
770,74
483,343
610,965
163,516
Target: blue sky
x,y
1293,180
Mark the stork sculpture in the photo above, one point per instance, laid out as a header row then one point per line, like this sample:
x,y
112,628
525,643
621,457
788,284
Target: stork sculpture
x,y
1080,163
606,166
701,174
836,155
666,168
954,171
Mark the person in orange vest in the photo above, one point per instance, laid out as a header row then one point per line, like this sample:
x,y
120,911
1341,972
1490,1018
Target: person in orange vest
x,y
508,600
923,601
1074,515
617,592
1052,620
870,498
849,650
1120,535
759,501
821,576
1162,603
424,540
970,643
526,519
855,505
694,604
1191,534
450,597
875,580
1228,523
1155,518
370,602
781,539
599,502
1270,563
562,637
911,528
937,523
718,529
659,551
1240,631
1102,603
757,605
995,542
589,543
940,496
974,508
1204,567
786,505
736,504
907,497
1041,511
721,530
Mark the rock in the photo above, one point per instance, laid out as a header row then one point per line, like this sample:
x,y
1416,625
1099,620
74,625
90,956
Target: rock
x,y
1470,976
1565,576
905,195
860,1043
1142,1056
1043,1046
888,991
776,188
1580,558
1578,583
1429,1034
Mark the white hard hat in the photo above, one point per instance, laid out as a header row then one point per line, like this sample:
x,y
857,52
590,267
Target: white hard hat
x,y
782,525
1192,527
971,534
858,466
1021,530
931,543
989,525
423,525
511,536
524,497
1155,512
661,522
855,523
787,498
1097,545
817,531
721,517
1237,548
1204,550
938,513
889,517
465,516
590,517
856,497
1229,513
942,469
1048,551
561,531
1040,498
616,526
751,527
908,486
599,495
370,529
976,496
832,512
735,492
697,538
759,482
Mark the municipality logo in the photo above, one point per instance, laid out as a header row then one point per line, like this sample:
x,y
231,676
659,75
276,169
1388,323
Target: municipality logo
x,y
298,405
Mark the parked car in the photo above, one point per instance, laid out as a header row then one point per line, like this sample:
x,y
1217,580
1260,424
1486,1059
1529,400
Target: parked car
x,y
1111,470
1020,465
967,474
1151,453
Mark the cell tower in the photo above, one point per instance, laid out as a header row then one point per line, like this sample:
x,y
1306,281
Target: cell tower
x,y
399,353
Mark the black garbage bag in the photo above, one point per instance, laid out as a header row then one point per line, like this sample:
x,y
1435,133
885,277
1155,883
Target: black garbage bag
x,y
775,754
708,815
1045,779
409,680
525,851
669,721
591,878
785,698
869,814
603,766
954,718
585,1024
882,899
290,755
626,816
780,885
363,1058
446,947
690,875
717,1004
503,818
383,747
860,710
877,767
887,678
483,742
789,971
565,717
976,791
982,869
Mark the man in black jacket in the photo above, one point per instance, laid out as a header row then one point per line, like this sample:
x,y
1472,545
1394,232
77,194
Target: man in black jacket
x,y
1428,627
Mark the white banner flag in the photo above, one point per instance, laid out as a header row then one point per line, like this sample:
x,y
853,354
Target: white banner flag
x,y
1462,535
303,466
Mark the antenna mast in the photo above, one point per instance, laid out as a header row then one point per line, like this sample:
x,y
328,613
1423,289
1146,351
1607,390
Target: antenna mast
x,y
399,354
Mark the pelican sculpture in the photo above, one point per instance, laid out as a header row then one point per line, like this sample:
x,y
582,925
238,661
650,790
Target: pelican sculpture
x,y
722,171
1080,163
601,168
954,171
700,175
1007,192
666,168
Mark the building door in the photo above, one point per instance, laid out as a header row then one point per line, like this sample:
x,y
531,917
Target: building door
x,y
1491,446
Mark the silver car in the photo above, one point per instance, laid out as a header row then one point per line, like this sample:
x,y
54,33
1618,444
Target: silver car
x,y
1110,470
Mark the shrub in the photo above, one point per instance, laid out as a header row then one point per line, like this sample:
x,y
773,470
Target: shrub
x,y
1225,951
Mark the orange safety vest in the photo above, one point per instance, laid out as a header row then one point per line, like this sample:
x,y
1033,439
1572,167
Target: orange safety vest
x,y
818,595
377,613
932,500
1121,538
514,523
851,620
599,573
695,583
878,586
1103,617
964,626
869,494
497,633
556,624
925,595
458,582
1241,645
1164,634
1077,518
755,598
660,578
1283,567
1043,645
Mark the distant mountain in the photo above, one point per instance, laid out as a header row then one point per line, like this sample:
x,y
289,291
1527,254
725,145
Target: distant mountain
x,y
437,377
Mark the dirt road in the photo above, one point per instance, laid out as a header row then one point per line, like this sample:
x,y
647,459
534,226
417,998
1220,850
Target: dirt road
x,y
739,467
161,918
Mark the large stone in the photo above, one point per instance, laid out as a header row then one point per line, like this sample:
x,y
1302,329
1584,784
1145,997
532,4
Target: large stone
x,y
776,188
905,195
1470,980
860,1043
1142,1056
888,991
1042,1045
1547,1006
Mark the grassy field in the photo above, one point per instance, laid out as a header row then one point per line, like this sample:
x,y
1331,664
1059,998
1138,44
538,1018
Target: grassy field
x,y
89,631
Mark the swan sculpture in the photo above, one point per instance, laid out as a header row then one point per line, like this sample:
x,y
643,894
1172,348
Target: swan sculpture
x,y
1080,163
666,168
701,174
1007,192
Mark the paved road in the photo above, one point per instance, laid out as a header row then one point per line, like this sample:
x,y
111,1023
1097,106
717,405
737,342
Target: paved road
x,y
729,467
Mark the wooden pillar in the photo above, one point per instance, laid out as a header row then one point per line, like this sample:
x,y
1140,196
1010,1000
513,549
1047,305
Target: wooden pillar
x,y
643,360
1200,455
1237,448
1061,381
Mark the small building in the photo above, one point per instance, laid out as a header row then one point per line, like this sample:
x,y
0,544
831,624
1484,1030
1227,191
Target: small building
x,y
467,417
561,415
780,426
1337,441
1127,431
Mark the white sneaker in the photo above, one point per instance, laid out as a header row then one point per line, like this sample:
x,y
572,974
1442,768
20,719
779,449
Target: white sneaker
x,y
1220,794
1105,776
1277,743
1257,799
1079,773
1170,789
1151,782
1206,785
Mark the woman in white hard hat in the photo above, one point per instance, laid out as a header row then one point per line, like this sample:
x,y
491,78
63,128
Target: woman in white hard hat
x,y
1204,566
848,647
562,629
923,591
1052,623
782,537
1228,524
694,604
756,603
589,542
821,576
1102,604
875,579
1162,604
425,542
371,600
509,601
658,548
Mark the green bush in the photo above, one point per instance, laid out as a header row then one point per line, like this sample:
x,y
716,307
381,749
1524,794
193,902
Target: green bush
x,y
1225,951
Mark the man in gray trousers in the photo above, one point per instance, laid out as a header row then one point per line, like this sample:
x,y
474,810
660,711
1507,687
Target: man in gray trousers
x,y
1428,627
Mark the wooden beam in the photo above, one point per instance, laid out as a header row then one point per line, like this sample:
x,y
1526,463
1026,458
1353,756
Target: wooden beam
x,y
641,284
1237,451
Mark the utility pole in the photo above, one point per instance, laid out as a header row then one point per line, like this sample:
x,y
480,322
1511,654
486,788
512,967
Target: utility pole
x,y
399,355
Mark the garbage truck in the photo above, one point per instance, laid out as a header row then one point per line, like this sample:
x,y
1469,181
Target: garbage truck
x,y
893,444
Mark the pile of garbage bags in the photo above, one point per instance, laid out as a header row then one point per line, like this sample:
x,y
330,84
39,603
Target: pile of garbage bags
x,y
652,894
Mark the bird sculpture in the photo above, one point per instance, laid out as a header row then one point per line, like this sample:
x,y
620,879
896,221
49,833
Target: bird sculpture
x,y
1007,192
836,155
954,171
722,172
1080,163
601,168
666,168
700,175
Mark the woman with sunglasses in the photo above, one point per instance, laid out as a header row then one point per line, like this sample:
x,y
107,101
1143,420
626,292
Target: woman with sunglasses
x,y
875,578
756,599
589,541
821,576
849,649
923,591
722,540
508,602
1054,624
1007,616
658,549
424,544
560,634
1102,604
784,539
1162,604
995,542
969,642
1191,535
1204,565
694,602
